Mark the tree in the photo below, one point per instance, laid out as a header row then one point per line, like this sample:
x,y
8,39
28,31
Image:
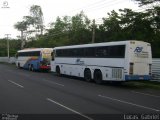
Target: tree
x,y
32,26
146,2
21,26
154,18
66,31
111,27
14,47
136,25
37,17
123,25
80,29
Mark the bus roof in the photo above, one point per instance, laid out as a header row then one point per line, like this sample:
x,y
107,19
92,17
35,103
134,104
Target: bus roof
x,y
100,44
34,49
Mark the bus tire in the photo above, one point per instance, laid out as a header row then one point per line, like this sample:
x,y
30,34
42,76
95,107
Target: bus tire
x,y
19,66
29,67
98,76
32,68
87,75
58,72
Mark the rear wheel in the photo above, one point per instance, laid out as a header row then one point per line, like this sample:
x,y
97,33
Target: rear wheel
x,y
87,75
98,76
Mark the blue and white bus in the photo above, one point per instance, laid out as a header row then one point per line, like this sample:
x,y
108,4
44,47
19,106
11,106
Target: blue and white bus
x,y
34,58
110,61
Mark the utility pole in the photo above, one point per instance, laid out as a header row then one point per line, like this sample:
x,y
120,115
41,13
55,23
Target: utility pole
x,y
7,37
93,31
5,5
22,40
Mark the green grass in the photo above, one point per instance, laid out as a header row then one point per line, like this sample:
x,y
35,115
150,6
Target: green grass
x,y
143,84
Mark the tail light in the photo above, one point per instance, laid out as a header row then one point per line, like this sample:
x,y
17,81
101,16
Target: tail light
x,y
131,68
150,69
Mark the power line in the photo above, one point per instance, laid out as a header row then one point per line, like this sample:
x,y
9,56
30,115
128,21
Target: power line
x,y
95,5
115,2
84,7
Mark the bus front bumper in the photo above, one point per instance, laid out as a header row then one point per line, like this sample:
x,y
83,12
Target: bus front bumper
x,y
44,67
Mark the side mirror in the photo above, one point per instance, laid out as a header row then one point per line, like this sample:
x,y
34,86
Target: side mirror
x,y
52,54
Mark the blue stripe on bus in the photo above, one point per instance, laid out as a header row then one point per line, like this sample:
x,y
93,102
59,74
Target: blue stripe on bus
x,y
137,77
34,62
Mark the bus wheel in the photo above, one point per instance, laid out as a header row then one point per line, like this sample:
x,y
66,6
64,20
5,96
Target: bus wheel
x,y
32,68
87,75
19,66
29,67
58,72
98,76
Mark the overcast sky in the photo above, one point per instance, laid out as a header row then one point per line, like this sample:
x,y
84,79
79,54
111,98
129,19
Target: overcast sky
x,y
12,11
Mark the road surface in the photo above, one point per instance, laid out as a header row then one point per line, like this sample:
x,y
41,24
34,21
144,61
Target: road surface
x,y
25,93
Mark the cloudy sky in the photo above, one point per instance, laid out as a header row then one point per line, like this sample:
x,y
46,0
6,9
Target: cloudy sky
x,y
12,11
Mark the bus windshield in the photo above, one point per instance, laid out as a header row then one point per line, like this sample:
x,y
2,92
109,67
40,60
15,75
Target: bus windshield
x,y
46,57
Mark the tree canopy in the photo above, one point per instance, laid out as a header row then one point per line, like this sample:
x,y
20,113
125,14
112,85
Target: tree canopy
x,y
124,24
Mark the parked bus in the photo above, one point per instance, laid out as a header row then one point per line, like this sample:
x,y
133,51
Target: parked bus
x,y
34,59
110,61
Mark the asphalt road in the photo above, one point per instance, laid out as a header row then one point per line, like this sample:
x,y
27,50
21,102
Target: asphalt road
x,y
45,94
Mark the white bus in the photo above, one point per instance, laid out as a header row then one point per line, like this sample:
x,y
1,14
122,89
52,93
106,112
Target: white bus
x,y
110,61
34,58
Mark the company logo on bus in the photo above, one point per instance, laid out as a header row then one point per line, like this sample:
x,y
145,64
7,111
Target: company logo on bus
x,y
138,49
78,61
140,53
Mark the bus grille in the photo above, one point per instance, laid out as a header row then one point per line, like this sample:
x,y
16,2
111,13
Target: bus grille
x,y
117,73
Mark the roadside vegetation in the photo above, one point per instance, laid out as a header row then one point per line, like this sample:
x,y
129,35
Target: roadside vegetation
x,y
142,85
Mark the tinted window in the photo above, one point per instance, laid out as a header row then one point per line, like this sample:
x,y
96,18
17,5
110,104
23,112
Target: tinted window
x,y
102,52
117,51
89,52
34,53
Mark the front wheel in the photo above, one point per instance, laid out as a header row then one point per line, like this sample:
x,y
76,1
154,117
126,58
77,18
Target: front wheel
x,y
98,77
29,67
32,68
58,72
19,66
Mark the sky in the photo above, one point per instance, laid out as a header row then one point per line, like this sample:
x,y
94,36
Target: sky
x,y
12,11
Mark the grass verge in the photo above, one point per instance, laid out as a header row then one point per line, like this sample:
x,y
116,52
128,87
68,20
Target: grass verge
x,y
143,84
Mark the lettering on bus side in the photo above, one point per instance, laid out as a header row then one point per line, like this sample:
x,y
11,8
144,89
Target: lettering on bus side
x,y
78,61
